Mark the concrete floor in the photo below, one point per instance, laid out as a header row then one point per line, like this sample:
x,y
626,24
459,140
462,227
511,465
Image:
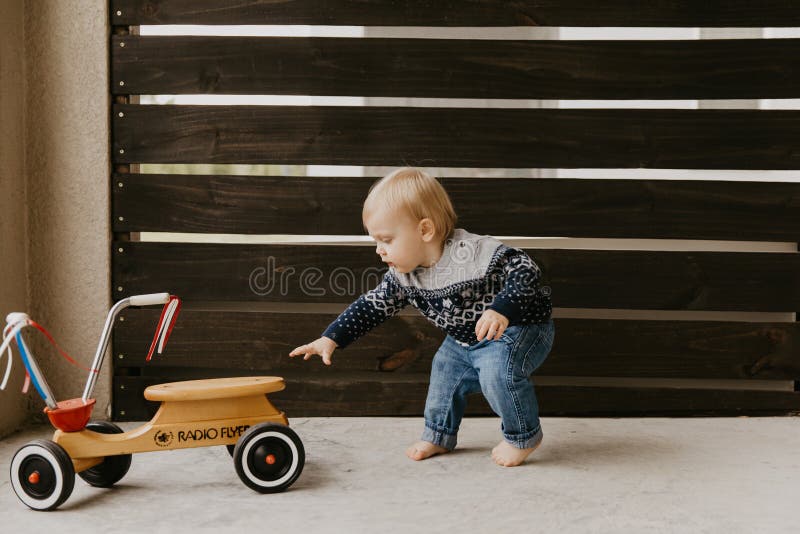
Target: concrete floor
x,y
589,475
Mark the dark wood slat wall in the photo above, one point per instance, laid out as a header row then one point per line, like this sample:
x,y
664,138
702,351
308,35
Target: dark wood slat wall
x,y
457,68
378,396
385,373
570,207
260,341
670,13
633,279
457,137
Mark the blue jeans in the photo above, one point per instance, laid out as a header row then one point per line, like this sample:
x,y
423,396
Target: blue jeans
x,y
498,368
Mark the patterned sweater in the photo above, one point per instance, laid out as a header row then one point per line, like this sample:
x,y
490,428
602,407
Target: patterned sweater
x,y
475,272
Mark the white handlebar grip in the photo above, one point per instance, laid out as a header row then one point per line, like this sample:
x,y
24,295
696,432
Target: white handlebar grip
x,y
149,300
16,317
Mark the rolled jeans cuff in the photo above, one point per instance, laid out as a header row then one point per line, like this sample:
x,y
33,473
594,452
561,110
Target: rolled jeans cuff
x,y
439,435
525,441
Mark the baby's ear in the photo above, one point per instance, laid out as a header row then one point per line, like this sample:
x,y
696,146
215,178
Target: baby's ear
x,y
427,229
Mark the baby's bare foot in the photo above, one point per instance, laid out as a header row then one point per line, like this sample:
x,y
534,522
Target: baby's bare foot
x,y
424,449
507,455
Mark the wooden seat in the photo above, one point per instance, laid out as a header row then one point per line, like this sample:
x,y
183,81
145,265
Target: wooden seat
x,y
215,388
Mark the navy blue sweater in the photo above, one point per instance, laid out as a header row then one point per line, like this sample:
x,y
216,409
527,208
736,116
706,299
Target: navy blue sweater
x,y
474,273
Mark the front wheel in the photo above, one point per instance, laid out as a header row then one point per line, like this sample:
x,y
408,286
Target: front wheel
x,y
42,474
269,457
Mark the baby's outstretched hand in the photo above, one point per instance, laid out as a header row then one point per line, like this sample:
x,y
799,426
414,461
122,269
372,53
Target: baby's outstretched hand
x,y
323,346
491,324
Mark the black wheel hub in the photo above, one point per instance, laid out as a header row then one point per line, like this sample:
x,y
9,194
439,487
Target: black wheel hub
x,y
270,459
37,477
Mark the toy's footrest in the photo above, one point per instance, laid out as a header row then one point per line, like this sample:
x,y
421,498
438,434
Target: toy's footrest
x,y
215,388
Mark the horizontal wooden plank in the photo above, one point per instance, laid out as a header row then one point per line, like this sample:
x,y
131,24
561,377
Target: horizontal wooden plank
x,y
666,280
677,13
262,341
456,137
456,68
613,208
404,395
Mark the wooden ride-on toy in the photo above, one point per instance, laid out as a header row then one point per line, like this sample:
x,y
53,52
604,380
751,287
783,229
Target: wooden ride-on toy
x,y
268,456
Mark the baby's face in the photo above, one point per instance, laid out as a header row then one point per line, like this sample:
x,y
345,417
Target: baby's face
x,y
398,240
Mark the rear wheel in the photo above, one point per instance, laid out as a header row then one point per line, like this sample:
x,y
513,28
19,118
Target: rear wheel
x,y
113,468
269,457
42,474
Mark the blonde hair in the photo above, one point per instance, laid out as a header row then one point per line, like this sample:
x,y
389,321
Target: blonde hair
x,y
416,193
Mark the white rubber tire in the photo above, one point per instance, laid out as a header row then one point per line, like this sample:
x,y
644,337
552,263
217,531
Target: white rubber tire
x,y
63,474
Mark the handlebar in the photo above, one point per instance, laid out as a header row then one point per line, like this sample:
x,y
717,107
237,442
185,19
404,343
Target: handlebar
x,y
16,321
149,299
134,300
